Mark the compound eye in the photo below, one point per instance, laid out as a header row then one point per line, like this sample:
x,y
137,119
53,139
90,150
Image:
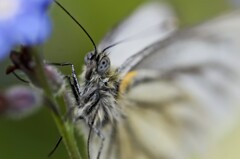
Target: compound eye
x,y
88,57
103,65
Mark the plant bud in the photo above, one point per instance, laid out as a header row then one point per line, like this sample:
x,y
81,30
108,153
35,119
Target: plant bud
x,y
55,78
20,101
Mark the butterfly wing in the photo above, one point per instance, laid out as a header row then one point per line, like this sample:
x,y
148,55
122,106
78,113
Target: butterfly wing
x,y
184,95
148,24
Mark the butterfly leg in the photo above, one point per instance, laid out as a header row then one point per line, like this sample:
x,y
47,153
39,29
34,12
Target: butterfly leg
x,y
74,76
100,135
74,90
74,85
102,138
72,80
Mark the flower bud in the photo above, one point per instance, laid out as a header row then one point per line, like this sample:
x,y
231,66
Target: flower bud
x,y
55,78
19,101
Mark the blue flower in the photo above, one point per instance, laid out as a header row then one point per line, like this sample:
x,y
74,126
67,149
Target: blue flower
x,y
23,22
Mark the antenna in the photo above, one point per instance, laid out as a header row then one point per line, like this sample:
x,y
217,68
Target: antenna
x,y
110,46
84,30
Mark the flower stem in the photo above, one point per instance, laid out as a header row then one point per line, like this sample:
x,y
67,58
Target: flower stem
x,y
66,129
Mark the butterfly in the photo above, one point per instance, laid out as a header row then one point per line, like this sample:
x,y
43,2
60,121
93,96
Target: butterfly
x,y
150,90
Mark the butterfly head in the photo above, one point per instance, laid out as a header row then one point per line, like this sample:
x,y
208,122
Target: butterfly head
x,y
99,87
96,66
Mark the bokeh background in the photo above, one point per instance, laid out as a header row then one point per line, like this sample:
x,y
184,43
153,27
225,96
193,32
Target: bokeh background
x,y
33,137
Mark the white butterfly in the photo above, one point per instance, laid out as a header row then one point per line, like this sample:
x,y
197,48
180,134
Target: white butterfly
x,y
161,92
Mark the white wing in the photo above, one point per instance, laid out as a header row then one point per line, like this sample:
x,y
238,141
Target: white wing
x,y
150,23
186,93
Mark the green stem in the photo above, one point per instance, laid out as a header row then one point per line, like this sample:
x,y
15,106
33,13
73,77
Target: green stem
x,y
66,129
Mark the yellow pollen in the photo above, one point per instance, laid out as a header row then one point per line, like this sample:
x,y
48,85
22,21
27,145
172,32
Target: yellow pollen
x,y
8,9
127,80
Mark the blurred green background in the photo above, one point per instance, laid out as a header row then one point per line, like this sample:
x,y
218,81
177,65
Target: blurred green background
x,y
35,136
